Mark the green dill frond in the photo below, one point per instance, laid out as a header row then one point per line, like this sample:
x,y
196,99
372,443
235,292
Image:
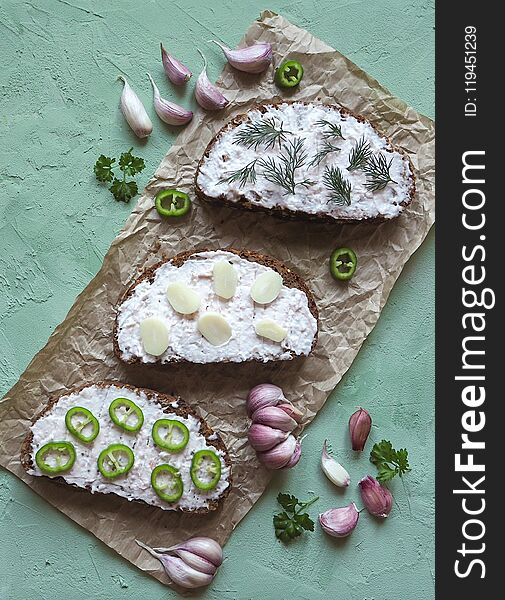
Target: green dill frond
x,y
359,155
330,129
265,131
377,172
244,175
339,187
326,149
282,172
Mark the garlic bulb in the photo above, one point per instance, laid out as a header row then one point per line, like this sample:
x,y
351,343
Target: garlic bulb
x,y
175,70
207,95
263,395
377,498
134,111
251,59
169,112
191,564
339,522
332,469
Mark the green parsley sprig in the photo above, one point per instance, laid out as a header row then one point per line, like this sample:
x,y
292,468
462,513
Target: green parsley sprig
x,y
291,522
129,165
389,461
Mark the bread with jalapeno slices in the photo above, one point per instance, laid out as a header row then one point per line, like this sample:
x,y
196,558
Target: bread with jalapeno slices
x,y
306,160
210,306
113,438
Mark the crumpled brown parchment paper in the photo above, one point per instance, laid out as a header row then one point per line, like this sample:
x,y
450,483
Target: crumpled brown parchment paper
x,y
80,349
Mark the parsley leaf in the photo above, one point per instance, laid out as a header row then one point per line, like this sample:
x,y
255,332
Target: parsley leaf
x,y
103,168
289,526
123,191
389,462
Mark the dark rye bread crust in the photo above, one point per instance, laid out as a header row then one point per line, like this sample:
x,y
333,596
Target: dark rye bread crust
x,y
165,401
290,279
287,213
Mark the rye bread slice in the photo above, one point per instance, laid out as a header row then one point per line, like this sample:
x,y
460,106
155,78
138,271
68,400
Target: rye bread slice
x,y
165,401
290,279
283,212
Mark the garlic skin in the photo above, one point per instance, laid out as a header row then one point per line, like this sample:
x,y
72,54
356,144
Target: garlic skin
x,y
263,438
174,69
332,469
279,456
293,412
264,394
169,112
377,499
251,59
274,417
360,424
191,564
134,111
207,95
339,522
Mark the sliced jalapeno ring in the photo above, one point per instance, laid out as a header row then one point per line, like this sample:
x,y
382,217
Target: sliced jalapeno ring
x,y
170,434
172,203
55,457
343,263
167,483
82,424
126,414
205,469
115,460
289,74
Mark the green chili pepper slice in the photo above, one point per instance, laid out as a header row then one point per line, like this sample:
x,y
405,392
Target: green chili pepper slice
x,y
205,469
122,410
115,460
343,263
172,203
49,457
170,435
86,427
289,74
167,483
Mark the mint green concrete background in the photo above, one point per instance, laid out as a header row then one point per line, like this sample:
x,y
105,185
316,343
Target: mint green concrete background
x,y
58,112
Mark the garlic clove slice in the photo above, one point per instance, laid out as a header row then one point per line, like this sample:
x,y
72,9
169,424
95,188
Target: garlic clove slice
x,y
225,279
266,287
271,330
182,298
154,336
214,328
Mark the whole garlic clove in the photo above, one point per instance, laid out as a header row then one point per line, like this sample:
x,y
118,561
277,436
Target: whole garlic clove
x,y
134,111
154,336
295,457
202,546
333,470
182,298
339,522
279,456
251,59
169,112
360,424
196,562
225,279
274,417
266,287
207,95
271,330
264,394
214,328
263,438
175,70
377,498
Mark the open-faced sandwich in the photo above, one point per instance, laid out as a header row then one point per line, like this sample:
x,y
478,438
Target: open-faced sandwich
x,y
216,306
112,438
306,160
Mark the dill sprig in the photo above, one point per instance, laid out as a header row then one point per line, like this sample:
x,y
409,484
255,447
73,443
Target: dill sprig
x,y
244,175
359,155
265,131
326,149
377,172
339,187
283,172
333,129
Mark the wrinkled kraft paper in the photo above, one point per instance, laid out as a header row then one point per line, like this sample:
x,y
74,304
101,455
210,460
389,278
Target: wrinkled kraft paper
x,y
80,349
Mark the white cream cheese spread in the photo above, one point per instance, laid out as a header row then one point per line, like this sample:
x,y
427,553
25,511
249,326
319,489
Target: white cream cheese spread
x,y
137,483
289,309
306,123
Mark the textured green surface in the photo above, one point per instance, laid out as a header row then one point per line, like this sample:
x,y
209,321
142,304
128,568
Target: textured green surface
x,y
58,111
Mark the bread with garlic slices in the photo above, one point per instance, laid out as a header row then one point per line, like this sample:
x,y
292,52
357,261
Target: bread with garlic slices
x,y
50,426
194,308
306,160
